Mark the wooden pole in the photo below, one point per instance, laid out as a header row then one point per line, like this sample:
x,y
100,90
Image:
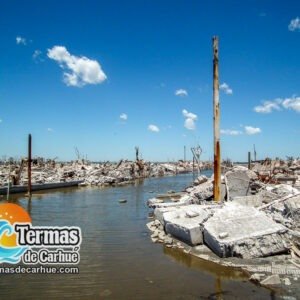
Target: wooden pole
x,y
8,184
184,152
216,105
249,160
29,165
193,164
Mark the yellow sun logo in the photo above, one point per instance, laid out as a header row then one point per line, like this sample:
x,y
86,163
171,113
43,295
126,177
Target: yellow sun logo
x,y
12,213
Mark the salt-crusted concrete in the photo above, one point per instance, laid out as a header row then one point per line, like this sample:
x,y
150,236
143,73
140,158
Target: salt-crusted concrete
x,y
245,232
160,203
251,200
292,207
186,222
238,182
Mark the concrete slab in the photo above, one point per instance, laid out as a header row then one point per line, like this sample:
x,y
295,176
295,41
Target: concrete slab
x,y
243,231
238,182
202,191
159,203
267,196
252,200
160,211
185,223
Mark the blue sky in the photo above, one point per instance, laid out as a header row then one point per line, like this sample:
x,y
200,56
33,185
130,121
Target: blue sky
x,y
69,70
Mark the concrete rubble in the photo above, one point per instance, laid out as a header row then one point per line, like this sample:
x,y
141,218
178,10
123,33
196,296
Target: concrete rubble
x,y
93,174
245,232
257,221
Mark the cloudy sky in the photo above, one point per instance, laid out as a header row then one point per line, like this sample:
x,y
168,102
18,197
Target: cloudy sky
x,y
105,76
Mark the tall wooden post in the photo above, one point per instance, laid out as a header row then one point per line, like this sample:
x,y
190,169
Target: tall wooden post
x,y
8,183
184,154
29,165
193,164
216,104
249,160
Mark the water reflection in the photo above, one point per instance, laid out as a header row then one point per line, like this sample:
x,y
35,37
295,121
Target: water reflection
x,y
205,266
118,259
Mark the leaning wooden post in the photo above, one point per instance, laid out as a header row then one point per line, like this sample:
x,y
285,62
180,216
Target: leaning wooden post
x,y
29,165
216,104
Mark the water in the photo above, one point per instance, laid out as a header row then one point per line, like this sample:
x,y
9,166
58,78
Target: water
x,y
118,259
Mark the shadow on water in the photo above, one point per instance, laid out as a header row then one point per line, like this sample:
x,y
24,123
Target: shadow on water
x,y
205,266
118,259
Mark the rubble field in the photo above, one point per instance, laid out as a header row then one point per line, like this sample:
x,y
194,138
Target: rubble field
x,y
92,174
256,226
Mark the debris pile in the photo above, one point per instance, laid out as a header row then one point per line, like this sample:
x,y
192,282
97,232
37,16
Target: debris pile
x,y
258,217
95,174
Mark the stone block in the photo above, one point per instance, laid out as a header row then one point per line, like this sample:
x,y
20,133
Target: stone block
x,y
243,231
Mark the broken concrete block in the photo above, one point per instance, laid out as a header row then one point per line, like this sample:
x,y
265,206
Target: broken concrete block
x,y
271,280
185,199
255,277
185,224
201,179
168,240
292,208
187,230
185,211
159,211
191,214
202,191
282,190
249,233
238,182
287,281
251,200
267,196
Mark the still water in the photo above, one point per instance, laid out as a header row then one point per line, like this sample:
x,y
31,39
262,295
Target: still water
x,y
118,259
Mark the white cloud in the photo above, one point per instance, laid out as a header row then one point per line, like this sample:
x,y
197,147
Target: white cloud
x,y
181,93
268,106
230,132
292,103
37,55
189,115
226,89
189,124
153,128
20,40
190,120
50,129
123,117
279,104
80,70
252,130
294,24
